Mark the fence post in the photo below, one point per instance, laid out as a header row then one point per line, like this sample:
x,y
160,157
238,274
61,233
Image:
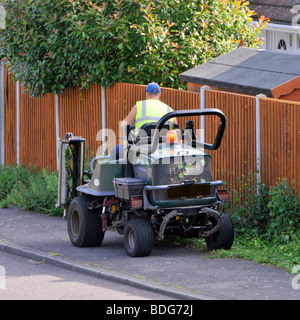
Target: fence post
x,y
2,113
57,126
103,117
258,140
202,107
18,126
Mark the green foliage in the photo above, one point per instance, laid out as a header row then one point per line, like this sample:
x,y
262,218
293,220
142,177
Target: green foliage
x,y
284,214
54,44
40,195
248,208
10,175
29,189
286,255
267,224
273,214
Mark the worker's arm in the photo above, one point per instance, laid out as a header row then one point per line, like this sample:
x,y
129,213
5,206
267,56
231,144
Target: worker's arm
x,y
130,118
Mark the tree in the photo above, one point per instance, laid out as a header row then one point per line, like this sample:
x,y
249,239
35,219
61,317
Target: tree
x,y
54,44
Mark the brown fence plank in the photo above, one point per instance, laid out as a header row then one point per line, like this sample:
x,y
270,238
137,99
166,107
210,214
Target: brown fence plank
x,y
80,113
280,146
236,155
37,131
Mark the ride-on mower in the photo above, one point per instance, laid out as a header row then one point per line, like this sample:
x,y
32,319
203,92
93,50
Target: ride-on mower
x,y
163,185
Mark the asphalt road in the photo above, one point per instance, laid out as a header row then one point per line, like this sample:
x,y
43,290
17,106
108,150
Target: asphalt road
x,y
180,273
28,279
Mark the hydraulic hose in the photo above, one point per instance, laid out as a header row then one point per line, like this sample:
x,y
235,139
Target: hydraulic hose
x,y
210,212
165,222
218,218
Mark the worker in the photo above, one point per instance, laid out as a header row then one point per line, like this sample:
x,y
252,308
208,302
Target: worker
x,y
146,111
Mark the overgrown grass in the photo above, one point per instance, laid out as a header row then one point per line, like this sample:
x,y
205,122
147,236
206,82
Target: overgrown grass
x,y
29,189
285,255
267,224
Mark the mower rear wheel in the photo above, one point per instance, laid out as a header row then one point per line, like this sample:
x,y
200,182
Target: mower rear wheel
x,y
138,238
222,239
84,225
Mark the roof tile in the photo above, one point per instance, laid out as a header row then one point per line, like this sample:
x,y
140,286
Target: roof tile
x,y
275,10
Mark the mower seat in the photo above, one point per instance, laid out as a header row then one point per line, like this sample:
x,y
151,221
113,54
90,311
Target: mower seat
x,y
147,127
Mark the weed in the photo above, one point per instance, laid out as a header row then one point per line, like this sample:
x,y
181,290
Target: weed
x,y
272,214
29,189
266,223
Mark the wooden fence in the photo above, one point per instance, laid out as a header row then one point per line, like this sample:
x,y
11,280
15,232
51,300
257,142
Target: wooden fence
x,y
80,113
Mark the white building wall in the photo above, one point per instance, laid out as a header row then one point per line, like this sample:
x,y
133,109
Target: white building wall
x,y
281,38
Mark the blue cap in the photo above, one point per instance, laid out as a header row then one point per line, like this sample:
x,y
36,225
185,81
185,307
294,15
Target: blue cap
x,y
153,87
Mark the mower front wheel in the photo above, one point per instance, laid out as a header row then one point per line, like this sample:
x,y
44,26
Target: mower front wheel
x,y
138,238
84,225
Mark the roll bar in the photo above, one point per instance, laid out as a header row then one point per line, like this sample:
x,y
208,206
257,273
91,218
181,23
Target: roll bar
x,y
195,112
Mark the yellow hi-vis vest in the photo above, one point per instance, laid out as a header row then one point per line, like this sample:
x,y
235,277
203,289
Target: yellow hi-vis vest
x,y
150,110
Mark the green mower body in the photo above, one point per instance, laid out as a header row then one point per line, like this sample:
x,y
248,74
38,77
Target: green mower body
x,y
159,187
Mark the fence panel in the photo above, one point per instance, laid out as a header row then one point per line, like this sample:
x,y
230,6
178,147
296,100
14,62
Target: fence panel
x,y
80,113
236,156
280,141
37,128
37,131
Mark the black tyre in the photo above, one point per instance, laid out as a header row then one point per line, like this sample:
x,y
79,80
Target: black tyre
x,y
222,239
84,225
138,238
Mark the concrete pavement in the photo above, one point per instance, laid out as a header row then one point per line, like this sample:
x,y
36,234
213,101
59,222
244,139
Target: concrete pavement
x,y
180,273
